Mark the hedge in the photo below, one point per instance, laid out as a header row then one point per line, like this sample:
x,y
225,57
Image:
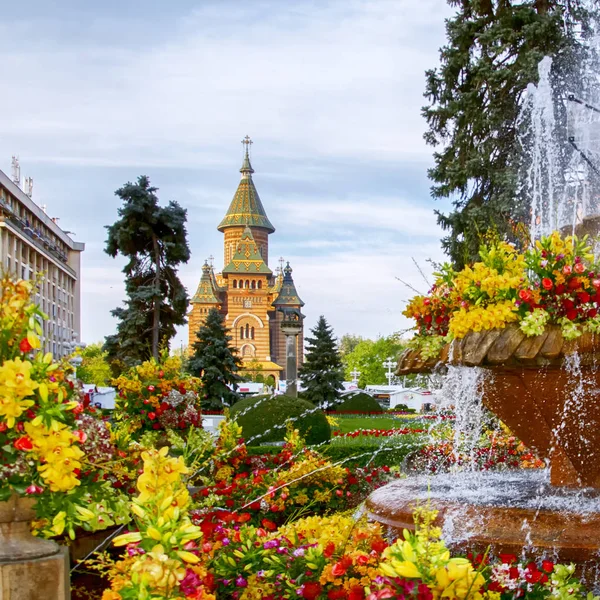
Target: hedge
x,y
266,421
359,402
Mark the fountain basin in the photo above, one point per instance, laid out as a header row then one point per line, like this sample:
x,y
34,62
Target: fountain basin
x,y
508,512
545,388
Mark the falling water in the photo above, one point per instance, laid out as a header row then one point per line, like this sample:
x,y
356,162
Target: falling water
x,y
559,134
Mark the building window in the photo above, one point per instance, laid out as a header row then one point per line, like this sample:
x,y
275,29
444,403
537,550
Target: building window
x,y
259,285
242,333
247,285
252,333
247,330
253,284
235,283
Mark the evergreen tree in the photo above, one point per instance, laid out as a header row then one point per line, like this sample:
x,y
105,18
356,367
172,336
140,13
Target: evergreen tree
x,y
493,51
153,239
322,373
215,362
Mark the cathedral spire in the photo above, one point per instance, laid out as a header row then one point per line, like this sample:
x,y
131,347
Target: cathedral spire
x,y
246,169
288,296
246,207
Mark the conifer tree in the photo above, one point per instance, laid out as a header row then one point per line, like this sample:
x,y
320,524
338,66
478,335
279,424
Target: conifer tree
x,y
492,53
322,373
153,239
215,362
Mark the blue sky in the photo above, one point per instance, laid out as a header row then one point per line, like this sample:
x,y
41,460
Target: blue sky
x,y
95,94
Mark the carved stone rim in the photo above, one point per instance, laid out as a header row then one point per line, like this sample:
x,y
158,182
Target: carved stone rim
x,y
505,347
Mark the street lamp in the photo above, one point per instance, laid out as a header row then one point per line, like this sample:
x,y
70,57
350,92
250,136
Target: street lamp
x,y
291,326
75,361
389,364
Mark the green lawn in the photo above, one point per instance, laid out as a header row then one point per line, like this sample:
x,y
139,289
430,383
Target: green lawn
x,y
348,424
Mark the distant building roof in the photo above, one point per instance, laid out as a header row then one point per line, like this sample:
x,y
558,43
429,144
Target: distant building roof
x,y
288,296
207,292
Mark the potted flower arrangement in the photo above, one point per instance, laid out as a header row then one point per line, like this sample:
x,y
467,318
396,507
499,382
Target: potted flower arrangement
x,y
522,315
155,396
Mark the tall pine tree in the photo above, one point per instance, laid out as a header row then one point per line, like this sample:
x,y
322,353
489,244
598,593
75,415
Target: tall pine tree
x,y
215,362
153,238
322,373
492,54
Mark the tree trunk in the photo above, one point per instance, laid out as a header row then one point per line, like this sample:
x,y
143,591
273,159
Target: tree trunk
x,y
542,6
156,311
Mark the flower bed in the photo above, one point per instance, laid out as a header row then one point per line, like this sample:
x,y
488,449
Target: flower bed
x,y
377,432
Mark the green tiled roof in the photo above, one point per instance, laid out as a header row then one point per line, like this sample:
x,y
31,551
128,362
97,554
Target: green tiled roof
x,y
246,207
207,292
288,296
247,258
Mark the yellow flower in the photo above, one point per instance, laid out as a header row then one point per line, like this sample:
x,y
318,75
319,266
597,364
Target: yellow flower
x,y
16,386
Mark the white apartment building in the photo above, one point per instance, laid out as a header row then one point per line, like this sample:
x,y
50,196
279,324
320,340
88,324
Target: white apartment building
x,y
32,244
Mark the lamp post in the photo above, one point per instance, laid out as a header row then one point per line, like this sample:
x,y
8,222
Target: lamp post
x,y
389,364
291,326
355,375
75,361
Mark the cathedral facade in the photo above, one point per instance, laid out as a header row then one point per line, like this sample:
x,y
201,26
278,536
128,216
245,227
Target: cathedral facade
x,y
250,296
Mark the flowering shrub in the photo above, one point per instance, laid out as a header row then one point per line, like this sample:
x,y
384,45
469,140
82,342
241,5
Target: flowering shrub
x,y
155,396
50,447
163,558
553,282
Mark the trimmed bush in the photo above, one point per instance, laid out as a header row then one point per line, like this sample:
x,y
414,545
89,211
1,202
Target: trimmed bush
x,y
272,414
359,403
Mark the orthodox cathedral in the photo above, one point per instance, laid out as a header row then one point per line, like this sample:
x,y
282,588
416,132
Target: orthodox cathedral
x,y
250,296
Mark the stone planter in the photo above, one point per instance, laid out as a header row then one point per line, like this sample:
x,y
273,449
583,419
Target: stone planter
x,y
30,568
545,388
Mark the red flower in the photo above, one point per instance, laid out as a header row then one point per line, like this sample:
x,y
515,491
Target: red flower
x,y
573,283
568,304
80,435
152,416
508,559
34,489
547,283
379,546
584,297
579,268
337,594
78,409
548,566
525,295
268,525
567,270
329,550
23,443
150,388
25,346
560,289
571,314
311,590
3,427
362,559
596,283
356,593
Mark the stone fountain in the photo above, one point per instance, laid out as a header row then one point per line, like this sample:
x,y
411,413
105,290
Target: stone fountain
x,y
545,389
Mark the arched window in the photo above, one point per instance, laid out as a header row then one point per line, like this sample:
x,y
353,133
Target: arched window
x,y
235,283
253,284
242,332
259,285
247,283
247,330
252,333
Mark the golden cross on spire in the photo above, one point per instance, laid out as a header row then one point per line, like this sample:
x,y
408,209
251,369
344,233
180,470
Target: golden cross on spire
x,y
247,143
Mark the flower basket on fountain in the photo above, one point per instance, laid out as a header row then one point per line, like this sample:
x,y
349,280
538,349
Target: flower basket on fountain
x,y
156,396
529,320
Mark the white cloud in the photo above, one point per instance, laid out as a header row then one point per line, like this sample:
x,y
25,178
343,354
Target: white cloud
x,y
324,87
